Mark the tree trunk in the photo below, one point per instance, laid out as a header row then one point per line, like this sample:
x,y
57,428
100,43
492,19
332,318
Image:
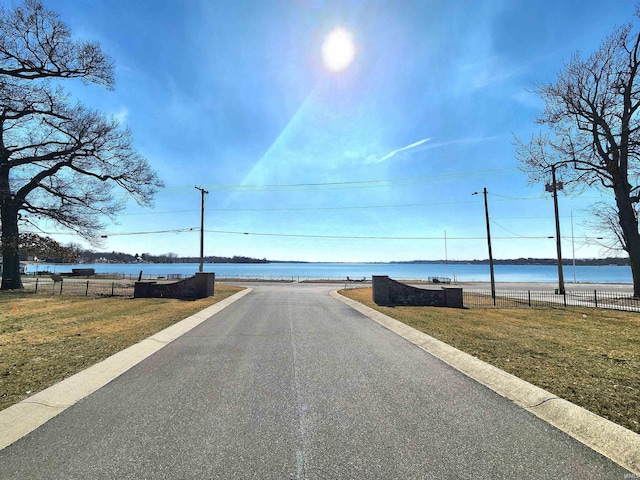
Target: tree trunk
x,y
11,279
635,272
629,225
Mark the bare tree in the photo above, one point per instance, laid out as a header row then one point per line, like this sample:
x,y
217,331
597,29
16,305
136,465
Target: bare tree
x,y
604,218
593,132
58,161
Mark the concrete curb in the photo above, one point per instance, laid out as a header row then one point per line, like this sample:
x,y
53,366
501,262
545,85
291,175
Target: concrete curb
x,y
605,437
22,418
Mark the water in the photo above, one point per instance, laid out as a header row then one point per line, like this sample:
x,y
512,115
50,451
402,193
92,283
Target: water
x,y
358,271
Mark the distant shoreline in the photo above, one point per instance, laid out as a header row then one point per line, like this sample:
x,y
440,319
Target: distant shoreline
x,y
609,261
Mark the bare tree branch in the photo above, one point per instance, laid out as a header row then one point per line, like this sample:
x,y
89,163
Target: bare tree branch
x,y
35,44
57,161
593,130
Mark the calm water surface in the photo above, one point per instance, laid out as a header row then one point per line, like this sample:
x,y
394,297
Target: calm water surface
x,y
357,271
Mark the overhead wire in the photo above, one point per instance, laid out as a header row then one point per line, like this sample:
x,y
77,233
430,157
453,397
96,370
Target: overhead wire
x,y
353,207
309,186
303,235
305,209
355,184
365,237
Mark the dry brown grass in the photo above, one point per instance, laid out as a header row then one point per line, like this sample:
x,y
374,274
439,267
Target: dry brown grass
x,y
45,338
588,356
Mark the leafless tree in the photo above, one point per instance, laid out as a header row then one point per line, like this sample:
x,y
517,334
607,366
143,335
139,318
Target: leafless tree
x,y
58,161
593,133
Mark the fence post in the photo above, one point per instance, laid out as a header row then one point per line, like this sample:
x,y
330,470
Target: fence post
x,y
37,278
86,293
113,284
529,296
595,296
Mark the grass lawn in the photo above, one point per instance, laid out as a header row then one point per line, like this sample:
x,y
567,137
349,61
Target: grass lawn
x,y
47,338
588,356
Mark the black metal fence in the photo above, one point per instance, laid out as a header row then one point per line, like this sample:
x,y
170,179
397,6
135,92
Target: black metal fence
x,y
534,298
102,288
44,274
471,298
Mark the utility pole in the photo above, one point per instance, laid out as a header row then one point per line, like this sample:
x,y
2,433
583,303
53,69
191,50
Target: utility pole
x,y
446,259
573,249
486,213
554,187
203,192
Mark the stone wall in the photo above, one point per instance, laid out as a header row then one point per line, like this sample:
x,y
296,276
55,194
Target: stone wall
x,y
388,292
199,286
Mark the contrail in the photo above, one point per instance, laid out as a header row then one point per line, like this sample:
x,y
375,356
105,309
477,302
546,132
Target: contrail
x,y
408,147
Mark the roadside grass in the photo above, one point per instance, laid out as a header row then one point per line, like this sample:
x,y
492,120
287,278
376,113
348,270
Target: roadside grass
x,y
47,338
588,356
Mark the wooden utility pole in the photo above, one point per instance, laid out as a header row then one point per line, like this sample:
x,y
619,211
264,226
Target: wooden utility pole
x,y
486,214
554,187
203,192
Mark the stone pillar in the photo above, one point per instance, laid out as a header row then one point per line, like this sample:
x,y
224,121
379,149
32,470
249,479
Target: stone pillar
x,y
204,284
453,297
380,286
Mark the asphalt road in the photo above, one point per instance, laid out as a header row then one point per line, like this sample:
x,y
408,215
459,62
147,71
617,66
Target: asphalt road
x,y
289,383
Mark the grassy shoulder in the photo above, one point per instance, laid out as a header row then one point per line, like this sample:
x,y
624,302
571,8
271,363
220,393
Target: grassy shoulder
x,y
47,338
588,356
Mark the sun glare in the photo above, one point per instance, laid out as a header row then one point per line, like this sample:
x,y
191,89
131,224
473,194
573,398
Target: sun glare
x,y
338,50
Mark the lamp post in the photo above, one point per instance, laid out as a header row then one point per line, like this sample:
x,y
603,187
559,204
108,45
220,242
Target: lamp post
x,y
554,187
486,213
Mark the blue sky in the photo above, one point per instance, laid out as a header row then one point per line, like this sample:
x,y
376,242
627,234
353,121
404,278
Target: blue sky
x,y
233,96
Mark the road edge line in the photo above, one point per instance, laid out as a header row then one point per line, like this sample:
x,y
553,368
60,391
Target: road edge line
x,y
23,417
615,442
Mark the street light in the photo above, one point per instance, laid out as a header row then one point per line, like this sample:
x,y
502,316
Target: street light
x,y
486,212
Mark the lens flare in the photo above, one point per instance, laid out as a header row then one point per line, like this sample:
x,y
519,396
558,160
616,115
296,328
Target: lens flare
x,y
338,50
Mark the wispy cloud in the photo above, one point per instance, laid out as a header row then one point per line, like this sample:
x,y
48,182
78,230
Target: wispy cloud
x,y
479,74
121,116
461,141
399,150
372,159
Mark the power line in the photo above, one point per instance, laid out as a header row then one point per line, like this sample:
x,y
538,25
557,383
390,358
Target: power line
x,y
300,235
308,186
153,232
121,234
505,229
355,237
354,207
306,209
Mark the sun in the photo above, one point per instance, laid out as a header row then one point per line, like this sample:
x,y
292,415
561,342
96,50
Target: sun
x,y
338,49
